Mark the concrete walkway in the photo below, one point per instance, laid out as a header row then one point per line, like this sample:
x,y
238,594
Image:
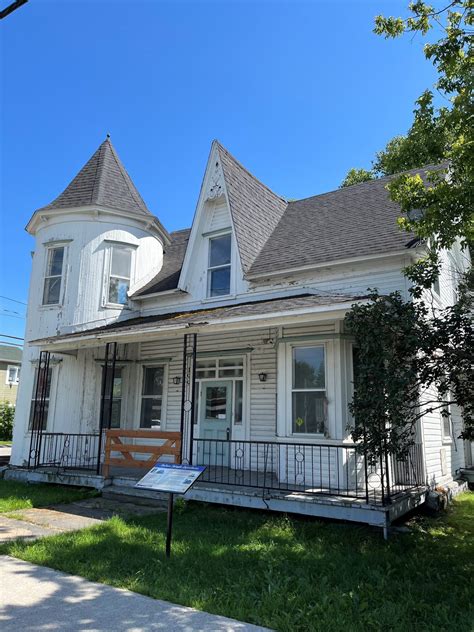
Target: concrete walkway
x,y
30,524
35,598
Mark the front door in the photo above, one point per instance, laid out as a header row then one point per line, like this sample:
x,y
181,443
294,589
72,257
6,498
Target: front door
x,y
215,422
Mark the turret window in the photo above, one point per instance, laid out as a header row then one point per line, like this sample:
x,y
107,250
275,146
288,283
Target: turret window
x,y
119,274
53,276
219,265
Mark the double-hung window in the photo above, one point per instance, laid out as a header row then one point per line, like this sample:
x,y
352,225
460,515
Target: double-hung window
x,y
309,401
13,374
152,397
43,388
218,275
120,265
53,275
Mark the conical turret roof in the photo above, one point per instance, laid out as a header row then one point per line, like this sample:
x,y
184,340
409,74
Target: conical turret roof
x,y
102,181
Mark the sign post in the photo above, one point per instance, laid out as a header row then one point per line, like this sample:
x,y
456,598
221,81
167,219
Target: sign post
x,y
172,479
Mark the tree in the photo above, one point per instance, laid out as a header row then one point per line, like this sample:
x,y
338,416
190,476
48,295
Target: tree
x,y
356,176
443,200
409,362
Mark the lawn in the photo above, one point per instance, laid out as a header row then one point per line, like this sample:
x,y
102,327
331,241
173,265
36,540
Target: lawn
x,y
289,574
15,495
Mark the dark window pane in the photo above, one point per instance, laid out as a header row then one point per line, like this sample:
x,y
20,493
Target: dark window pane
x,y
216,402
309,412
45,416
238,402
220,282
153,381
219,251
55,261
118,289
308,367
151,412
52,290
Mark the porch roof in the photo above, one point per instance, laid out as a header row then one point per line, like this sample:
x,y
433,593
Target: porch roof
x,y
255,313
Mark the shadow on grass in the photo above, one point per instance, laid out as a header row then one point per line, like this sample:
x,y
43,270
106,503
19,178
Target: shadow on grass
x,y
284,573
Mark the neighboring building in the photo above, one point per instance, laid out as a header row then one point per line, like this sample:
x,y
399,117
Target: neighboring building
x,y
10,364
237,322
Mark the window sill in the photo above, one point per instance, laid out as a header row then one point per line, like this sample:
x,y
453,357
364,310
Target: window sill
x,y
218,299
446,440
51,306
115,306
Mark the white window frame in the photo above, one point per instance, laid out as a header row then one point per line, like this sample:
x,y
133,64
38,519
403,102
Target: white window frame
x,y
293,389
164,394
108,272
123,400
16,369
210,268
285,389
47,250
447,438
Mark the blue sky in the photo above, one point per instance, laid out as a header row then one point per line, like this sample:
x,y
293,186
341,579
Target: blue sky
x,y
298,91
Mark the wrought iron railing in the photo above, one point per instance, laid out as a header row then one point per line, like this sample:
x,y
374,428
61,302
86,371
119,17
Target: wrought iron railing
x,y
68,450
316,469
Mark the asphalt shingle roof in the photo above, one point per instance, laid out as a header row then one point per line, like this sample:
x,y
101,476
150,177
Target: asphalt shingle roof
x,y
173,256
103,181
10,354
207,316
255,209
359,220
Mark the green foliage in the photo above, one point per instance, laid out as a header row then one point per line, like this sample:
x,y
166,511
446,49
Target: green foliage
x,y
356,176
15,495
443,201
7,415
404,349
288,574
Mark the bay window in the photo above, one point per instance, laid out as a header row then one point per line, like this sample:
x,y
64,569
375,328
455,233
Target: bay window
x,y
218,275
308,392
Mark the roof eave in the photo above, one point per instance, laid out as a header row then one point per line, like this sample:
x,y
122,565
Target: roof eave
x,y
412,252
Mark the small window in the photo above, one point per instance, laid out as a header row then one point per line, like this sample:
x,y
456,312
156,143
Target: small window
x,y
116,415
152,397
13,374
219,265
42,388
119,274
436,286
446,424
309,402
53,276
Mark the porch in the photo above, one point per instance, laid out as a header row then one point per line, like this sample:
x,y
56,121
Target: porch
x,y
320,479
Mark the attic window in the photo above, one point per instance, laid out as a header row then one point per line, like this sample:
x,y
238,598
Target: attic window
x,y
218,276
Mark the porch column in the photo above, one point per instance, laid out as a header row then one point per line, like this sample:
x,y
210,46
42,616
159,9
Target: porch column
x,y
188,391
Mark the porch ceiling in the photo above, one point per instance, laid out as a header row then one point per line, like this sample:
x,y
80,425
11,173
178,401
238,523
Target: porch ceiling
x,y
274,312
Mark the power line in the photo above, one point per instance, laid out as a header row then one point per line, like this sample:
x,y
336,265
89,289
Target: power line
x,y
13,316
7,336
13,300
10,344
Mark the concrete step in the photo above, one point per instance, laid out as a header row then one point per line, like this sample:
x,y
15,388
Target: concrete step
x,y
129,494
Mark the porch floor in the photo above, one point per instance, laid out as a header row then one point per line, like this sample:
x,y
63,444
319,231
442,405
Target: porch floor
x,y
254,492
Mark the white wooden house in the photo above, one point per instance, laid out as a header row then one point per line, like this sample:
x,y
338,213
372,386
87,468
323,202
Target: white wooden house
x,y
230,332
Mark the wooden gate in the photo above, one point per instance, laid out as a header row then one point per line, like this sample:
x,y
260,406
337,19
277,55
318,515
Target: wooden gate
x,y
114,443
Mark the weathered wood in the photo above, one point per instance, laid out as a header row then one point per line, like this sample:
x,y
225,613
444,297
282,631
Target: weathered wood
x,y
114,444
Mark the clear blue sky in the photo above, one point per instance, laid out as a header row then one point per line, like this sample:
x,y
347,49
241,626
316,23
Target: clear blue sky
x,y
298,91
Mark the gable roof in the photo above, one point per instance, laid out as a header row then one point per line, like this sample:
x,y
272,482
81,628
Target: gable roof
x,y
102,181
354,221
173,256
10,354
254,208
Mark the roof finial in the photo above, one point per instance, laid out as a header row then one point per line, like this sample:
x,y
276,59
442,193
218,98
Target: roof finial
x,y
108,135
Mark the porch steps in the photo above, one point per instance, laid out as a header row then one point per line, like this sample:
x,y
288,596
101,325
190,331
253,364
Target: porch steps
x,y
123,489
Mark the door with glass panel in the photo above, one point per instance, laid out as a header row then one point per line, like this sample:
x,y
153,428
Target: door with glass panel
x,y
215,422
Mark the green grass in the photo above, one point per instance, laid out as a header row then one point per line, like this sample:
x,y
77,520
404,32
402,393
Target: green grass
x,y
5,443
285,573
15,495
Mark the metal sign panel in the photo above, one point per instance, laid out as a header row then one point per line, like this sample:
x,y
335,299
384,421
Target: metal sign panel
x,y
171,478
